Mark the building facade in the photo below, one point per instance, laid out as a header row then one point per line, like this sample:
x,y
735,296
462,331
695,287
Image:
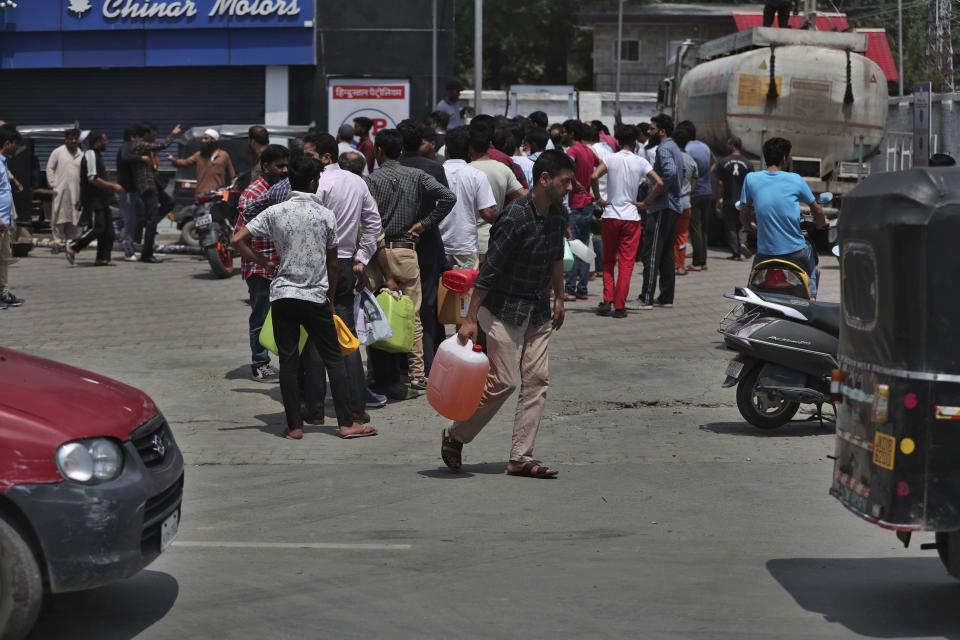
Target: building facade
x,y
108,63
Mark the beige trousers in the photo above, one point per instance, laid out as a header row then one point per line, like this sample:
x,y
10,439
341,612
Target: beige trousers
x,y
406,271
6,257
518,356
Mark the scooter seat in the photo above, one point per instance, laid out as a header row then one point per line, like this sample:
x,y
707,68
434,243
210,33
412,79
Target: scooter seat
x,y
824,316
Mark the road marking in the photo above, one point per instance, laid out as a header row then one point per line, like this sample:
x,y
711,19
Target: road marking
x,y
341,546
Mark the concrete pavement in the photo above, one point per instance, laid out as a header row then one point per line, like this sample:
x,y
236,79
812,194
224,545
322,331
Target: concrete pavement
x,y
671,518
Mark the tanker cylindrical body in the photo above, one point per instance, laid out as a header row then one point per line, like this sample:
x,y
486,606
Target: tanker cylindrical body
x,y
729,97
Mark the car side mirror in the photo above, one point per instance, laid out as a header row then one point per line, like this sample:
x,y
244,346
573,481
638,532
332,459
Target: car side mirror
x,y
825,198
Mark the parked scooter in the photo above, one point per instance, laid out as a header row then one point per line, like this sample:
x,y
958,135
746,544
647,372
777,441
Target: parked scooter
x,y
215,220
787,349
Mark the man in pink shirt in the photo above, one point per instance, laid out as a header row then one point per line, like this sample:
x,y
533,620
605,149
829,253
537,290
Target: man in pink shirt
x,y
347,195
581,205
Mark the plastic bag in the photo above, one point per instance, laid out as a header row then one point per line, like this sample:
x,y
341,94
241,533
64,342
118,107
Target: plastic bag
x,y
398,310
371,322
567,256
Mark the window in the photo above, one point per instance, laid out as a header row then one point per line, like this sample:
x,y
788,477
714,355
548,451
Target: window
x,y
629,50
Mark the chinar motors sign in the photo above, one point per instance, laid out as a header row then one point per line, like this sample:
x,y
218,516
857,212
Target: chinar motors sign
x,y
145,9
49,34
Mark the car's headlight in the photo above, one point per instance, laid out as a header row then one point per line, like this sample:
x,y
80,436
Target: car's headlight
x,y
94,460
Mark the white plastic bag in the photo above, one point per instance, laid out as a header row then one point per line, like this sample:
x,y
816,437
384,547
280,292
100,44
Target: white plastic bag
x,y
372,324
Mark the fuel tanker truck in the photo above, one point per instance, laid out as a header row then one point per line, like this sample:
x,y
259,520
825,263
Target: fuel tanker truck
x,y
815,88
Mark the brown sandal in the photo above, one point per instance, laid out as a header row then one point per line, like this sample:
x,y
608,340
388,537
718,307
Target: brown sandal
x,y
533,469
451,451
366,433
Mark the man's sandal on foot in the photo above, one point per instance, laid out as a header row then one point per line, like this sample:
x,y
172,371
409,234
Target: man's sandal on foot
x,y
365,432
532,469
451,451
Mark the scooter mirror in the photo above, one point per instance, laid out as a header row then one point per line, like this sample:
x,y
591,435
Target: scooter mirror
x,y
836,250
738,205
825,198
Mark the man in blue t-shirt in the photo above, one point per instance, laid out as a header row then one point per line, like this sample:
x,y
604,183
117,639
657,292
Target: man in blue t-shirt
x,y
772,198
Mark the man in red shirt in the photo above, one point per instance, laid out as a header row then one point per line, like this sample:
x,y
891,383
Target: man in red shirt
x,y
273,168
581,204
362,127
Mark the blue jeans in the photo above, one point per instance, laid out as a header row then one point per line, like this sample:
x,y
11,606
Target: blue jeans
x,y
579,275
259,289
806,258
131,210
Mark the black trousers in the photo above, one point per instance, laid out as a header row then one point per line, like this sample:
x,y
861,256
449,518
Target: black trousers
x,y
102,232
317,319
151,214
778,8
431,258
732,229
343,305
702,207
657,250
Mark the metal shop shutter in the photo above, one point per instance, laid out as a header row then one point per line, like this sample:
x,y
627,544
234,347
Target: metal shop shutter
x,y
111,99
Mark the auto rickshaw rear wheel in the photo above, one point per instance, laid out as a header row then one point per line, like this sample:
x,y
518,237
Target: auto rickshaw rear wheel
x,y
948,548
761,409
21,585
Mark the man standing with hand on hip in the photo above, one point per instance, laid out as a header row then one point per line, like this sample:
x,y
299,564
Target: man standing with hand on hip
x,y
511,302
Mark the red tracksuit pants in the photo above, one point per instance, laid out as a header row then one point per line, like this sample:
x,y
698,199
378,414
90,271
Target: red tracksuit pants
x,y
620,241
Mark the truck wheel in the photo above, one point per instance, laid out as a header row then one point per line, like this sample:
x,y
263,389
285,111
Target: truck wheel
x,y
948,548
21,586
760,408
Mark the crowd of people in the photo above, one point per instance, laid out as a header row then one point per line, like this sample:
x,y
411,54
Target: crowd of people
x,y
333,215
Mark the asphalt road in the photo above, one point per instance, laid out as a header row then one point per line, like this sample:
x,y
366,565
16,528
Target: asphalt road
x,y
671,517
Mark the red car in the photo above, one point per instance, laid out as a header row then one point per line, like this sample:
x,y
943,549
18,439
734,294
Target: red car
x,y
91,482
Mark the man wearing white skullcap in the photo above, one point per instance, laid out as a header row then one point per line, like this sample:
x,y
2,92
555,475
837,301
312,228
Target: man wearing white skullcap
x,y
214,167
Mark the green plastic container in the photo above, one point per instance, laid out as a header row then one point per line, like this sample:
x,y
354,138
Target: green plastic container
x,y
398,309
269,342
567,256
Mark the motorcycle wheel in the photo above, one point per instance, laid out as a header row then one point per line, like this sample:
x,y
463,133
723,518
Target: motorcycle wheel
x,y
759,408
220,257
189,234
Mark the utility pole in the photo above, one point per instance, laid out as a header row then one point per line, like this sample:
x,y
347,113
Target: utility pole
x,y
900,42
433,46
477,57
942,44
619,54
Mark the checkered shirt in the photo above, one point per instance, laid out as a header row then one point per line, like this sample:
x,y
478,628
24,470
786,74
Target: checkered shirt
x,y
524,249
400,191
260,244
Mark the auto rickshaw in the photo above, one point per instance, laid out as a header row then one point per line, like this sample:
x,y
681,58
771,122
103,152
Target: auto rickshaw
x,y
897,391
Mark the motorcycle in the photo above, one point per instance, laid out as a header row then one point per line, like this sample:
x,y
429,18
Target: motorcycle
x,y
787,349
215,220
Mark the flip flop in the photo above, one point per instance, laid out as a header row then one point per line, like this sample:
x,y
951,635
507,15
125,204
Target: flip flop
x,y
364,434
533,469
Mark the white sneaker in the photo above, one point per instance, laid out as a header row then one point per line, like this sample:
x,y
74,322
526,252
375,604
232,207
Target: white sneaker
x,y
134,258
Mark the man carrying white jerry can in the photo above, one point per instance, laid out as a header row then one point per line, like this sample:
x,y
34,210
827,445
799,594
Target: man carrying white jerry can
x,y
511,301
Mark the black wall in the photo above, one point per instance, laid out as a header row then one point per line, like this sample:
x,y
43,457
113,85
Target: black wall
x,y
389,39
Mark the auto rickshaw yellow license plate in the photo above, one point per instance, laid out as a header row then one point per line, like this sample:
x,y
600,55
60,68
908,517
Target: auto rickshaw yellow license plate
x,y
884,447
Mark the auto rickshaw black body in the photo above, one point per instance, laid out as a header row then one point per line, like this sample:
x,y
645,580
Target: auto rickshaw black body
x,y
898,386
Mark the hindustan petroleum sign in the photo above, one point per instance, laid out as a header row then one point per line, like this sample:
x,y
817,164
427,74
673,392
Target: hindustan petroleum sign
x,y
369,92
386,102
